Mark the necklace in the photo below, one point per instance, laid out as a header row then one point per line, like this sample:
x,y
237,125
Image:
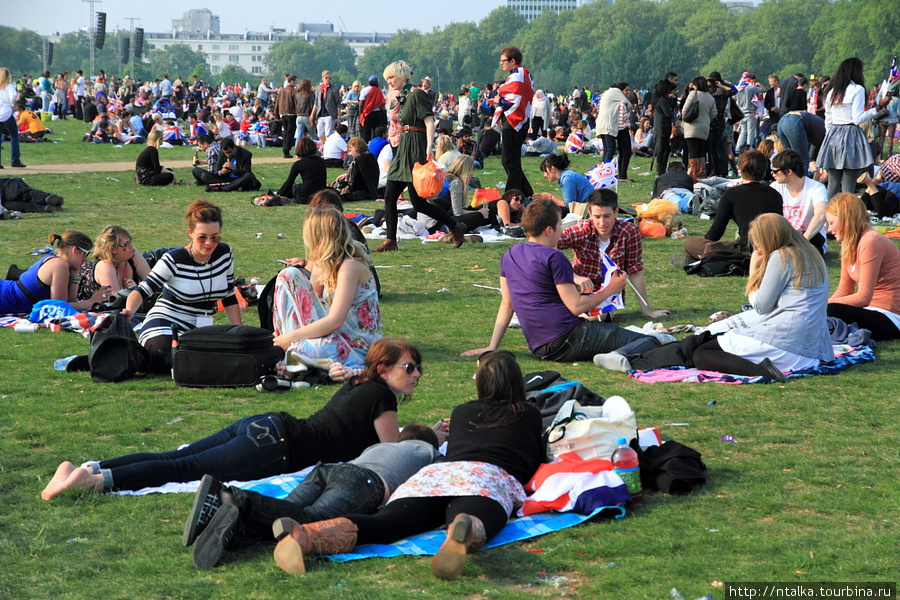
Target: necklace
x,y
206,295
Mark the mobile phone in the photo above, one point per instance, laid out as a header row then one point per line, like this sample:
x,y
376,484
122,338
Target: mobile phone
x,y
284,262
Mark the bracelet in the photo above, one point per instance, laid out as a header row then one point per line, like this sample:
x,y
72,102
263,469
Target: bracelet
x,y
76,280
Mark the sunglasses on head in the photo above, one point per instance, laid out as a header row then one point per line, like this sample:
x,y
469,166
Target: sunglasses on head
x,y
411,368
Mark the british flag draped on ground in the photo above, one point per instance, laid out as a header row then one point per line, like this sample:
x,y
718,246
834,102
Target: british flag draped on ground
x,y
605,175
515,99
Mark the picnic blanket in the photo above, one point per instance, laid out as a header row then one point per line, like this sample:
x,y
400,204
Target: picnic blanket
x,y
424,544
844,357
83,323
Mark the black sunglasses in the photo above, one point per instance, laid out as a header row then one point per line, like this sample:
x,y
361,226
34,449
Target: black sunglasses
x,y
411,368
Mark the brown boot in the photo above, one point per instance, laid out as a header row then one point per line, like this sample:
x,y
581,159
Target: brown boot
x,y
701,168
465,536
387,246
458,238
323,537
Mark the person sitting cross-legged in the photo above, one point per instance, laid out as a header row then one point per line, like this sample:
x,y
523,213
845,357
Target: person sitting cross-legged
x,y
234,169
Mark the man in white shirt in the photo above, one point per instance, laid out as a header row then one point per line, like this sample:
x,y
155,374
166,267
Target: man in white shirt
x,y
165,86
262,92
335,148
804,200
79,94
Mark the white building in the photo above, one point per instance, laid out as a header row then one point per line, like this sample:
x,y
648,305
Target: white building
x,y
531,9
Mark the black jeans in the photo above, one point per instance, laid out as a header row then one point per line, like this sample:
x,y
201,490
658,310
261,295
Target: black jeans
x,y
392,192
288,130
511,158
882,328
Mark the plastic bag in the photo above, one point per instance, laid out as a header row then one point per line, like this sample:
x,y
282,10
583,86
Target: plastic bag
x,y
659,210
428,179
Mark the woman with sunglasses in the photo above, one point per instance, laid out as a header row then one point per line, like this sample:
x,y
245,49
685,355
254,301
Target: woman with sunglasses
x,y
54,276
494,448
191,280
117,265
362,413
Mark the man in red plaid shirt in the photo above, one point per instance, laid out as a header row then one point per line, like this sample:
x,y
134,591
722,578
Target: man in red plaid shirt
x,y
602,233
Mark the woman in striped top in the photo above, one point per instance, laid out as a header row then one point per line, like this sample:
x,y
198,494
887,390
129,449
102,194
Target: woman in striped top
x,y
192,279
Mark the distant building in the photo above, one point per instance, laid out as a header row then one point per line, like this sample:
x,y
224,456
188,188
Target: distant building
x,y
739,8
531,9
199,20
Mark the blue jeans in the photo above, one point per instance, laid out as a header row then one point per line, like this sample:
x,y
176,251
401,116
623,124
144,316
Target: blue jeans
x,y
749,132
328,492
792,134
304,126
9,128
251,448
596,337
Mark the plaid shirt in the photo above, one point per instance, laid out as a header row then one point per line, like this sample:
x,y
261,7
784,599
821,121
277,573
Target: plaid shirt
x,y
212,156
625,248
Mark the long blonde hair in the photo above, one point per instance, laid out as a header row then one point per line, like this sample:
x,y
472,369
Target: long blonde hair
x,y
444,144
329,242
852,223
771,232
5,77
462,169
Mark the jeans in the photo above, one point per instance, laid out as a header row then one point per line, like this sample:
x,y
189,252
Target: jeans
x,y
596,337
251,448
511,158
328,492
840,180
304,127
749,135
9,128
792,134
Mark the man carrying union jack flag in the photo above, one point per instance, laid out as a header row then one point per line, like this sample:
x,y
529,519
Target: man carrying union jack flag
x,y
513,109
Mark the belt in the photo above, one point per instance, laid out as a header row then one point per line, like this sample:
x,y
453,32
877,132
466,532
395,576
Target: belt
x,y
412,128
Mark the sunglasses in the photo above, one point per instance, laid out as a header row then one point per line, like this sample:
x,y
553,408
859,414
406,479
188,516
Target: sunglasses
x,y
411,368
212,238
125,244
777,171
83,251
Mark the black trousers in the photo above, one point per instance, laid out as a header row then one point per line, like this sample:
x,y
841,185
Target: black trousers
x,y
18,195
392,192
373,121
289,130
511,158
882,328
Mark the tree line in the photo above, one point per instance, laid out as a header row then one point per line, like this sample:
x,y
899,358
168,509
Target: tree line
x,y
593,46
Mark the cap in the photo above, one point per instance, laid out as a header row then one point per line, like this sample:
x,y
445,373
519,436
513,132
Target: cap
x,y
427,78
373,79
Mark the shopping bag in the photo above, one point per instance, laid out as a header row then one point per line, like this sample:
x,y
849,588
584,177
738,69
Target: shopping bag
x,y
428,179
591,431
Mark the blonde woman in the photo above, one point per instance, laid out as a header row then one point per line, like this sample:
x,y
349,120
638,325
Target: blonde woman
x,y
8,95
147,170
444,151
869,290
334,314
117,263
788,289
351,101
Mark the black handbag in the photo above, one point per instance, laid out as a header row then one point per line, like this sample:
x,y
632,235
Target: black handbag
x,y
692,112
224,356
116,354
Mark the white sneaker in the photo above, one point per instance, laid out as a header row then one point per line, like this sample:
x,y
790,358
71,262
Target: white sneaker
x,y
612,361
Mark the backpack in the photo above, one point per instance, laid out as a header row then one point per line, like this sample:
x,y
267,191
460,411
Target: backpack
x,y
721,264
116,354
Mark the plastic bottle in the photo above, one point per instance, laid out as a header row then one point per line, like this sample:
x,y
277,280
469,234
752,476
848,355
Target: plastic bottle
x,y
270,383
677,235
26,328
62,363
625,464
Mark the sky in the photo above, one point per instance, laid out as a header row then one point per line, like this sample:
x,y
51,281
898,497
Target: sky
x,y
64,16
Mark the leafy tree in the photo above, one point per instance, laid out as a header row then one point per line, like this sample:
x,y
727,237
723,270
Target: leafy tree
x,y
750,52
235,74
291,55
333,54
178,60
22,51
499,29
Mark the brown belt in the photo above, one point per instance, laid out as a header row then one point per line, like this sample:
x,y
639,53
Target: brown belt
x,y
412,128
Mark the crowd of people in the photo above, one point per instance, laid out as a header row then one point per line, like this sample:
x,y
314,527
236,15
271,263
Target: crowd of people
x,y
327,306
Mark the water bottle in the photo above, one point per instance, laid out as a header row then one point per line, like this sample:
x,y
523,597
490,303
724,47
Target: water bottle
x,y
270,383
625,464
677,235
62,363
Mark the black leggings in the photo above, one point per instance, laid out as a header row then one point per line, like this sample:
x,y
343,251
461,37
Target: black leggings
x,y
392,192
410,516
882,328
697,351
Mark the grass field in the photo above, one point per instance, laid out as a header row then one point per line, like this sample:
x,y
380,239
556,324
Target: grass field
x,y
805,495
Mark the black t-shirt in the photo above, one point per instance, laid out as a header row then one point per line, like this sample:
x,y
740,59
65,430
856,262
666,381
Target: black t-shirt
x,y
340,430
517,447
743,204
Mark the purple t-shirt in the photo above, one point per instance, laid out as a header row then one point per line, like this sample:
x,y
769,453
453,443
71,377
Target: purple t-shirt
x,y
532,273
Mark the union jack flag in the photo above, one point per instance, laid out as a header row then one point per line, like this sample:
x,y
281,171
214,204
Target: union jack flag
x,y
894,77
575,142
614,302
515,99
605,175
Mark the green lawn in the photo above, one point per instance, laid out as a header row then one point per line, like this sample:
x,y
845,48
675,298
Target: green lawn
x,y
806,494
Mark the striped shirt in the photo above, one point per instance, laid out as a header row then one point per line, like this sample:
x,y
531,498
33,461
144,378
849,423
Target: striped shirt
x,y
189,290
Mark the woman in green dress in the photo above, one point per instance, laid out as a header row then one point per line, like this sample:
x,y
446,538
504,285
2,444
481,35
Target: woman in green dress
x,y
412,119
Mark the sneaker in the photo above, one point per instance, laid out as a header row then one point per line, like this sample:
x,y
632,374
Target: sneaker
x,y
18,164
52,208
477,239
207,502
612,361
53,200
215,540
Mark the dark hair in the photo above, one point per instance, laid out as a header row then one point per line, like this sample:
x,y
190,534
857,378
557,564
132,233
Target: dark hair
x,y
513,53
676,165
790,159
201,211
71,239
621,85
538,216
662,88
204,139
305,86
417,431
386,351
753,165
501,386
326,197
227,144
715,76
558,161
305,147
380,131
603,197
849,71
341,129
700,84
671,74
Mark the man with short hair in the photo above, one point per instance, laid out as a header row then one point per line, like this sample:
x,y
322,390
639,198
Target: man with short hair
x,y
334,150
79,94
748,90
804,199
286,111
327,108
262,92
234,169
426,87
538,284
212,149
372,114
603,234
513,112
165,87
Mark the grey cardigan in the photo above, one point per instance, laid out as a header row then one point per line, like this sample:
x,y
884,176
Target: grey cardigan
x,y
793,320
699,128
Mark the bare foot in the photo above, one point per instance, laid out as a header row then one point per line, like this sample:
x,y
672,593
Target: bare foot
x,y
62,473
78,478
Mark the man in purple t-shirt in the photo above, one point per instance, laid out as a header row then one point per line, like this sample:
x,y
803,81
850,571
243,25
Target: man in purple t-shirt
x,y
538,284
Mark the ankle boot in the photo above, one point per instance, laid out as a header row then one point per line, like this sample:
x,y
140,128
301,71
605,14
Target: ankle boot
x,y
692,167
387,246
458,238
465,536
701,168
323,537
